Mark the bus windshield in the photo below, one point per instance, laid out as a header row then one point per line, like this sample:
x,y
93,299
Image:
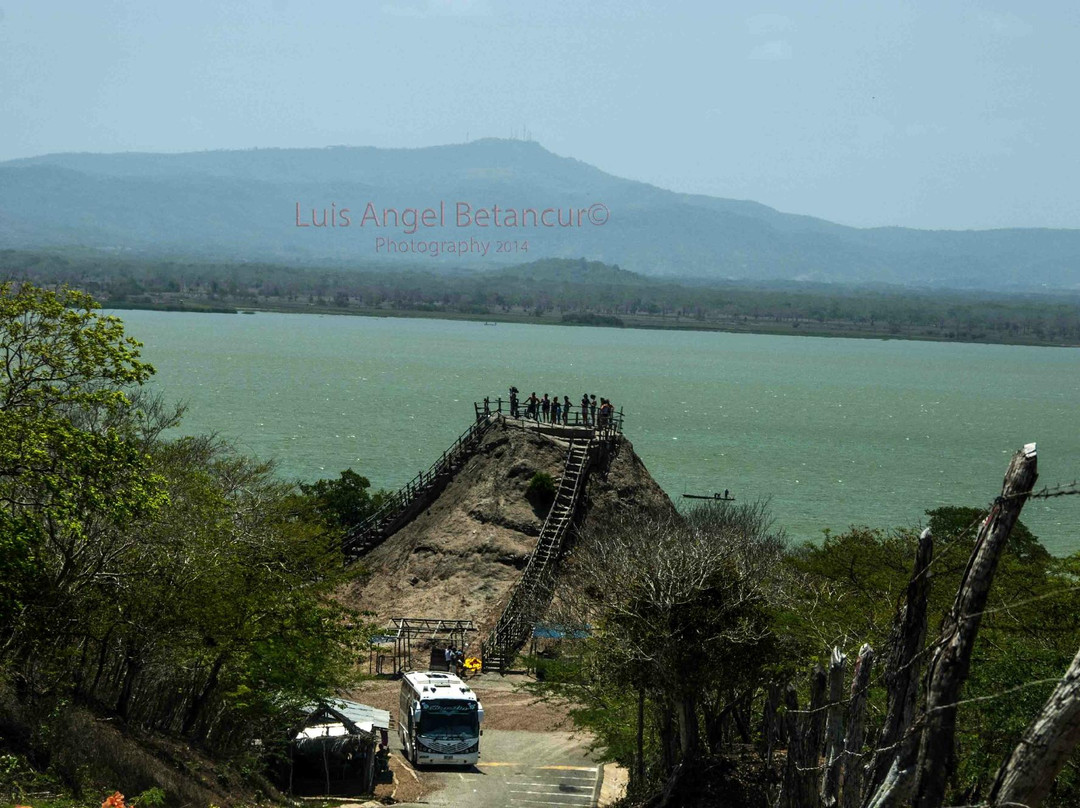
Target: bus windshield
x,y
446,718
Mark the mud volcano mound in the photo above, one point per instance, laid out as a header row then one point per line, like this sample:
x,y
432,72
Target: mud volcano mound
x,y
461,556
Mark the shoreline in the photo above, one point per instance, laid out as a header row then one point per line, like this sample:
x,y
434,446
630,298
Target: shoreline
x,y
797,328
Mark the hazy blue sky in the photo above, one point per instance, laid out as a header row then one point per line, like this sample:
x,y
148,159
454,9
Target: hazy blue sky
x,y
931,114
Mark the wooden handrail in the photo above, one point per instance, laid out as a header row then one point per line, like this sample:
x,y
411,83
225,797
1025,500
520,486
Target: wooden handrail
x,y
575,418
404,497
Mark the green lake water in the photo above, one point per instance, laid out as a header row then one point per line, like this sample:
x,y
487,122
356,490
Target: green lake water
x,y
836,431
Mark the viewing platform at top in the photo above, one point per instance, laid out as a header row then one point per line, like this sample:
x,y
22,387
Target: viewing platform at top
x,y
571,424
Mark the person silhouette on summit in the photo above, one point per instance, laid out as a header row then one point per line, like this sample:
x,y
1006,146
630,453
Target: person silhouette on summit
x,y
545,407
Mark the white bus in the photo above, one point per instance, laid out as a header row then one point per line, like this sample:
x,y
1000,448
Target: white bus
x,y
439,719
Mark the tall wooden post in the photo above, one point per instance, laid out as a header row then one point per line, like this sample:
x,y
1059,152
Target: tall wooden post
x,y
950,664
808,754
789,786
769,728
851,777
902,667
834,729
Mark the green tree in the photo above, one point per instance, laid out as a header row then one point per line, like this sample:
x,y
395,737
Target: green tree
x,y
222,620
69,461
344,502
173,585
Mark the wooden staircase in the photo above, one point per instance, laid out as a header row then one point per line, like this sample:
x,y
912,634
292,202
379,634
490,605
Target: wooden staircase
x,y
417,494
532,593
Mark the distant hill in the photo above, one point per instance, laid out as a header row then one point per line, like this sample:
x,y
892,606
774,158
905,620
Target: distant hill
x,y
242,205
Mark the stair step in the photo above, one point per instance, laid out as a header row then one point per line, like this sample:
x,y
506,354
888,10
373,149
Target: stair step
x,y
516,620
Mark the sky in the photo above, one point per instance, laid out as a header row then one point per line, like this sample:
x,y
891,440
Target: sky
x,y
944,115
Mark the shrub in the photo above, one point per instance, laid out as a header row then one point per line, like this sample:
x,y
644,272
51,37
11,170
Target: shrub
x,y
541,489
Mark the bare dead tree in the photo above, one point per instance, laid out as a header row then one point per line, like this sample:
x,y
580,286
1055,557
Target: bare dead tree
x,y
920,751
915,749
681,603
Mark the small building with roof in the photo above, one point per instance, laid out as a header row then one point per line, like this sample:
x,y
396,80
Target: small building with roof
x,y
340,747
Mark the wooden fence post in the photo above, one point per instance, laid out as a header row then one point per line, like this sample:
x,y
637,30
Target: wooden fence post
x,y
834,729
789,786
902,674
851,776
770,729
808,756
949,666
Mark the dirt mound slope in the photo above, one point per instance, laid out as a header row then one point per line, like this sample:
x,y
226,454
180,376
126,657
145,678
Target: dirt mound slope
x,y
459,558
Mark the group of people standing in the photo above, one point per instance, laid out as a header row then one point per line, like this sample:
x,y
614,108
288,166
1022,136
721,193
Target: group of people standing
x,y
551,410
455,659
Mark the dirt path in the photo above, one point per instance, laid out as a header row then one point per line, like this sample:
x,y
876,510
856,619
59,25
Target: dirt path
x,y
507,708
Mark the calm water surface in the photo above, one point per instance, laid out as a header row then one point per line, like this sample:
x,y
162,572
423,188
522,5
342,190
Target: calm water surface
x,y
836,431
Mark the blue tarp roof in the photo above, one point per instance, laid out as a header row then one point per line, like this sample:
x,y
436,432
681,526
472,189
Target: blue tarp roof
x,y
559,633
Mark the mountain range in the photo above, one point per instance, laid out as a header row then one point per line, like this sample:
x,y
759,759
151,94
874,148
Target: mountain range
x,y
265,204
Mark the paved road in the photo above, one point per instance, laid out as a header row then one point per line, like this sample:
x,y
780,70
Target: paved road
x,y
521,770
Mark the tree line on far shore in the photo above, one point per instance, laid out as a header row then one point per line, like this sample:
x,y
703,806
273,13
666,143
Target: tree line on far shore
x,y
574,291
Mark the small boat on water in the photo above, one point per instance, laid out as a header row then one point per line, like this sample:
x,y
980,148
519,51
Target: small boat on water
x,y
724,497
487,323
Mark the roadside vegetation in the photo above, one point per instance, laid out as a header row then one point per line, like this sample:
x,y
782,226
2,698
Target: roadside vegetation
x,y
164,604
562,292
692,629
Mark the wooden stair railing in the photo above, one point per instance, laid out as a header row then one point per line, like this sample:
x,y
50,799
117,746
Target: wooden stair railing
x,y
415,495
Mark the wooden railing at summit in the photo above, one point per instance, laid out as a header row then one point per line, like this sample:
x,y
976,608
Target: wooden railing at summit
x,y
574,417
